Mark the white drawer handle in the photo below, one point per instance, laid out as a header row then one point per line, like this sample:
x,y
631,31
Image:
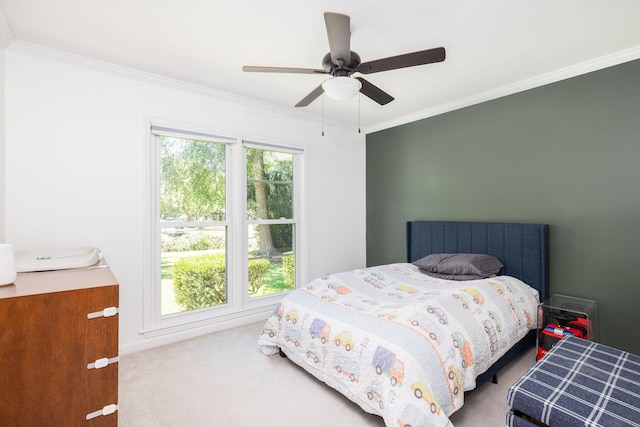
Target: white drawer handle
x,y
107,410
101,363
107,312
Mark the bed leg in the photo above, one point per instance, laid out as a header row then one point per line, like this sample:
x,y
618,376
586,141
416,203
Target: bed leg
x,y
281,352
494,379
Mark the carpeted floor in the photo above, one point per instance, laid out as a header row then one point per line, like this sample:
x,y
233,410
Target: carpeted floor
x,y
223,379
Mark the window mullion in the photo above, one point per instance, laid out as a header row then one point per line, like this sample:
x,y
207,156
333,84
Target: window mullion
x,y
236,280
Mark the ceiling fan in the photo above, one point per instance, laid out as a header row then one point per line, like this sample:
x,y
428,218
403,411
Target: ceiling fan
x,y
341,62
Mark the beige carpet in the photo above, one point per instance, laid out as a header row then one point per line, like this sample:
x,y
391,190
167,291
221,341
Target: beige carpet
x,y
223,379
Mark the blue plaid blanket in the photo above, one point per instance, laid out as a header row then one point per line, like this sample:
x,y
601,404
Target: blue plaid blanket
x,y
580,383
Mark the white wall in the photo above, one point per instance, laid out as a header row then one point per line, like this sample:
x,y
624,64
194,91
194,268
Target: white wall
x,y
75,135
2,150
5,40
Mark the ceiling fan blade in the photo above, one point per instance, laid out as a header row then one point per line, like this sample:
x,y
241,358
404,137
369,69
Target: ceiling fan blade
x,y
339,34
258,69
310,97
402,61
374,92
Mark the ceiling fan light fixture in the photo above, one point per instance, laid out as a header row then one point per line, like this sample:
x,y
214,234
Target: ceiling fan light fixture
x,y
341,87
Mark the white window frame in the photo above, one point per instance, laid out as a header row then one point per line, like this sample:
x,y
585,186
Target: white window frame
x,y
298,213
239,306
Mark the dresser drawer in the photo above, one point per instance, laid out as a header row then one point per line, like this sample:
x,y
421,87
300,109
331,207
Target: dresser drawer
x,y
47,343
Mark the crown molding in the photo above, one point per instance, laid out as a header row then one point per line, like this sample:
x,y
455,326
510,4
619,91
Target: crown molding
x,y
541,80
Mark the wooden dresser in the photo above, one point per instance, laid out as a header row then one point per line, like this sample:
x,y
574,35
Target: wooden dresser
x,y
59,349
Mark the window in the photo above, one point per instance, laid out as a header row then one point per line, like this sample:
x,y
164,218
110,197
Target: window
x,y
193,248
271,224
224,227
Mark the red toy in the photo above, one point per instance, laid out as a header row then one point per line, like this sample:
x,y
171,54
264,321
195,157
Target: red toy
x,y
565,325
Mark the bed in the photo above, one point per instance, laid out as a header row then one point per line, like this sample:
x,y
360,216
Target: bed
x,y
405,345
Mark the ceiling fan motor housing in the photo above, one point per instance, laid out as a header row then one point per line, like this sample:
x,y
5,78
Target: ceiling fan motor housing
x,y
341,69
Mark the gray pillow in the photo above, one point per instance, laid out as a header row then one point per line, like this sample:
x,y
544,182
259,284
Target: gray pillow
x,y
481,265
452,276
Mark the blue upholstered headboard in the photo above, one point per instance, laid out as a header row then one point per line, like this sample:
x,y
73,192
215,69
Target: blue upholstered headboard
x,y
522,248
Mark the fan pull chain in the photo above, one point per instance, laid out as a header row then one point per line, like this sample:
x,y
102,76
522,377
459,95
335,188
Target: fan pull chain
x,y
322,114
359,98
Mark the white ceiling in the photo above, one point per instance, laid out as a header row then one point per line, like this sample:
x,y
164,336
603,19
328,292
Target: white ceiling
x,y
494,47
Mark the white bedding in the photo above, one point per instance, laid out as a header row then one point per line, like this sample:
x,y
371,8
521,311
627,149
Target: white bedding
x,y
397,342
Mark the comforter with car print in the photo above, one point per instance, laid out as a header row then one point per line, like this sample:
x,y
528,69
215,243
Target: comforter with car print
x,y
397,342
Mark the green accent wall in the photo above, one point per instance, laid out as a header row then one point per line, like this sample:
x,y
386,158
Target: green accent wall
x,y
566,154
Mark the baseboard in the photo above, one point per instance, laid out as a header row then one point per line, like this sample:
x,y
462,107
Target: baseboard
x,y
196,331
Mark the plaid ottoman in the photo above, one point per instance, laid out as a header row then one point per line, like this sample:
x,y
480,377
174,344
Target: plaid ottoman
x,y
578,383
